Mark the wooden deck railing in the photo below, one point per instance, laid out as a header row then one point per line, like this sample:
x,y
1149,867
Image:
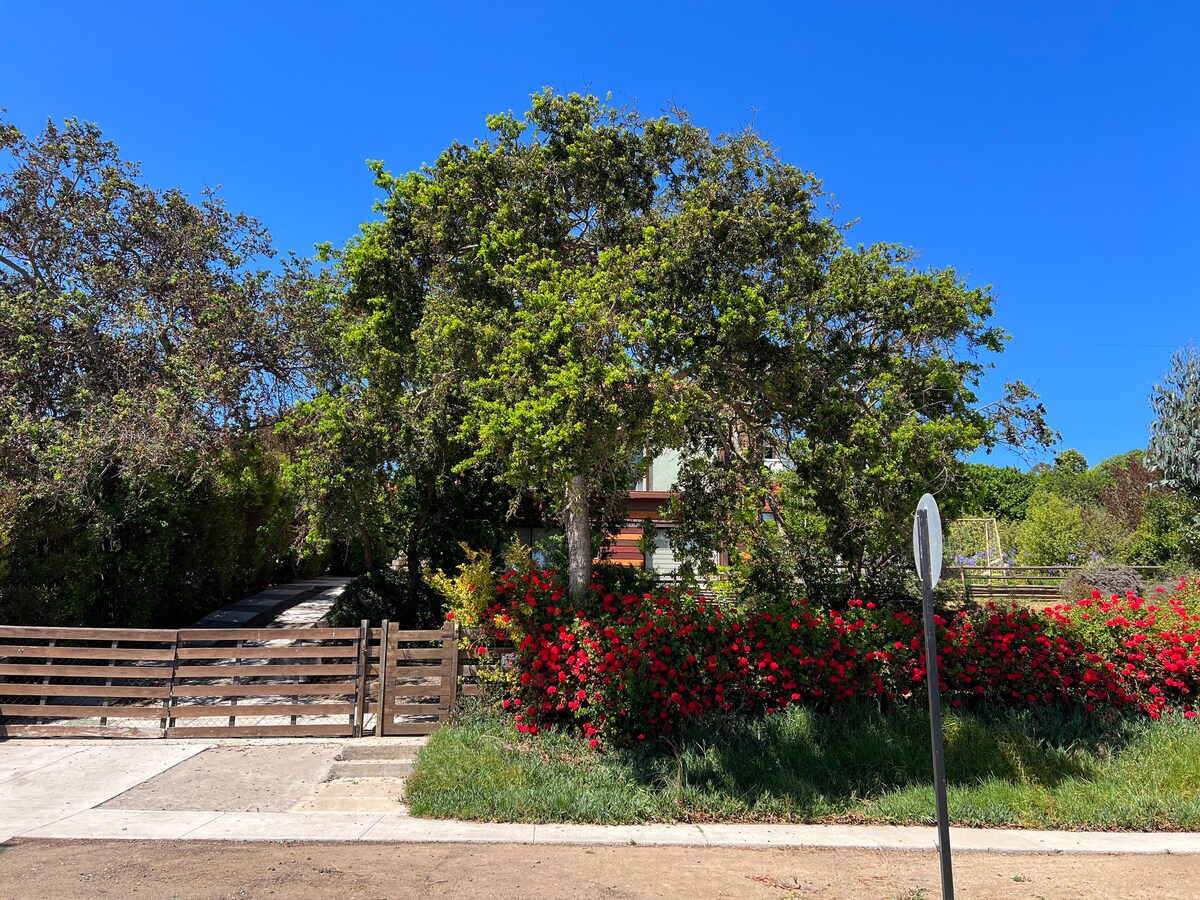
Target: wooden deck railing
x,y
207,683
1030,583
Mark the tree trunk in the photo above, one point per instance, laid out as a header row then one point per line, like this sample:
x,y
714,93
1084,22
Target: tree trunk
x,y
367,549
416,596
579,536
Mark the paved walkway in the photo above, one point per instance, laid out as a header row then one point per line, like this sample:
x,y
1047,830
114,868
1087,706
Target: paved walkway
x,y
113,824
55,789
299,604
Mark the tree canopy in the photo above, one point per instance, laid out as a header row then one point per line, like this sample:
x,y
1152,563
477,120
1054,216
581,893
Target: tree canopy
x,y
527,320
144,344
137,332
600,284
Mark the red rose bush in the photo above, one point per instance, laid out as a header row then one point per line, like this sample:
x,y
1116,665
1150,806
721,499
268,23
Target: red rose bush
x,y
631,667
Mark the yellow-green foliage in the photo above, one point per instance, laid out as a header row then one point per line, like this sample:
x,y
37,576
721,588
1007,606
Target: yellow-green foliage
x,y
470,597
1053,533
471,592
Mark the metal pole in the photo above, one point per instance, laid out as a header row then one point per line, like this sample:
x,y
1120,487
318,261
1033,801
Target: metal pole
x,y
935,710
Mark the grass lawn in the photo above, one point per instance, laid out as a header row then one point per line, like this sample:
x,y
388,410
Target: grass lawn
x,y
1046,769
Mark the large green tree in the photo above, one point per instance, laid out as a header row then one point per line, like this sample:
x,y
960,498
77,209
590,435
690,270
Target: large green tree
x,y
144,345
138,332
377,452
599,284
512,268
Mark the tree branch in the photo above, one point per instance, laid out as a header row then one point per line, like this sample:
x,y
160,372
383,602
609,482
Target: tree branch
x,y
16,268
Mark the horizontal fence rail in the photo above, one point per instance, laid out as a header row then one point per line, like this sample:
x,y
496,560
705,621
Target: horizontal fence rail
x,y
414,675
229,682
1030,583
263,682
85,682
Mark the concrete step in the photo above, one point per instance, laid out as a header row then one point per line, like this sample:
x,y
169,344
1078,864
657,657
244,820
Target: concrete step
x,y
371,768
382,748
363,795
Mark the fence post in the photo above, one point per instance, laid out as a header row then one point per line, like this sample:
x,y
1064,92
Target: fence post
x,y
42,699
384,676
360,689
451,694
166,723
112,664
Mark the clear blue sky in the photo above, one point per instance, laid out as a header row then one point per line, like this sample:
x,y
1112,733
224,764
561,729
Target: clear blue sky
x,y
1047,149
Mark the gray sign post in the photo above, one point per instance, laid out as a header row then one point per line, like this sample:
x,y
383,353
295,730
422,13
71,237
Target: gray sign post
x,y
927,550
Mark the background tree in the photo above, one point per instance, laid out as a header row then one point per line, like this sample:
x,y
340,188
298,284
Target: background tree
x,y
142,354
377,450
514,264
1116,512
1071,462
1175,433
846,363
1001,492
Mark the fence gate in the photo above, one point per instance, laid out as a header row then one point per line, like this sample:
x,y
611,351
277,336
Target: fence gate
x,y
412,678
260,682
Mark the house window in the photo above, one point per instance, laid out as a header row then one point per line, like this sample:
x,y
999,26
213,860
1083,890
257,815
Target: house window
x,y
662,473
639,482
534,538
662,560
779,462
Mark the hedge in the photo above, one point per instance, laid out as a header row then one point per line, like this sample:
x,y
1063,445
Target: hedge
x,y
633,667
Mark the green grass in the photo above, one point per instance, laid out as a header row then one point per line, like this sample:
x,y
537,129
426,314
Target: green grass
x,y
1045,769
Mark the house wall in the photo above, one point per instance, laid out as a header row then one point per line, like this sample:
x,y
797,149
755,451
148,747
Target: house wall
x,y
643,505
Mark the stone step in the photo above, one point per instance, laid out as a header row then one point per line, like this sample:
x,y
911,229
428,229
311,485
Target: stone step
x,y
363,795
384,748
371,768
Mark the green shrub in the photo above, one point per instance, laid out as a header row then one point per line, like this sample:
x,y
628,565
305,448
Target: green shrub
x,y
1169,533
468,594
384,594
1053,532
999,492
155,551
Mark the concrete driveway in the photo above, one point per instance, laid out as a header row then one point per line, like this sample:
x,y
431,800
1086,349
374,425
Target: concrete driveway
x,y
42,783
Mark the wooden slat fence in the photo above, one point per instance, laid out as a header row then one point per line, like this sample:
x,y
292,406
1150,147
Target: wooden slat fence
x,y
260,682
206,683
475,660
85,682
412,678
1026,583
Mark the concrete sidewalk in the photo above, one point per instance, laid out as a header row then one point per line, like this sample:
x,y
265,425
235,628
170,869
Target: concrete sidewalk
x,y
55,789
44,782
116,824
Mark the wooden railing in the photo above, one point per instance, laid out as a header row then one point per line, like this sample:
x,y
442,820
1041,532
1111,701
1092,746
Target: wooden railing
x,y
1028,583
97,675
208,683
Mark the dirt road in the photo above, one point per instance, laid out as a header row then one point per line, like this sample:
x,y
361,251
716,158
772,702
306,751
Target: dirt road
x,y
70,869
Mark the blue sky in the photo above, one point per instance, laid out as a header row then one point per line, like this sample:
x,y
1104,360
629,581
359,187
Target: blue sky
x,y
1046,149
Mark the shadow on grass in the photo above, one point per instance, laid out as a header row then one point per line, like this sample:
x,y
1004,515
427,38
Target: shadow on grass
x,y
803,762
1038,768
